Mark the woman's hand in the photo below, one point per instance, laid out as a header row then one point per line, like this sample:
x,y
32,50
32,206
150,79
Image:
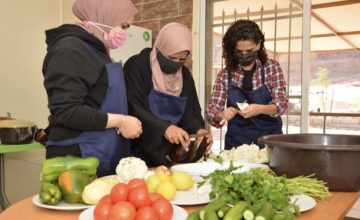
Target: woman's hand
x,y
130,127
229,113
209,137
41,136
257,109
176,135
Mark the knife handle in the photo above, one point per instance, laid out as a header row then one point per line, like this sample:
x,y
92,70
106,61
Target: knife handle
x,y
198,135
222,122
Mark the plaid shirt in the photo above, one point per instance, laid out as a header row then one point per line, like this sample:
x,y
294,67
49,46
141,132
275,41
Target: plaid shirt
x,y
274,80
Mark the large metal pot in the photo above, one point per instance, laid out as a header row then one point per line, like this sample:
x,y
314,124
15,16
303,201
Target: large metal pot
x,y
16,131
332,158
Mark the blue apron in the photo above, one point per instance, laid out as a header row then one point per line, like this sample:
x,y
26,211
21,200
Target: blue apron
x,y
247,130
107,145
167,107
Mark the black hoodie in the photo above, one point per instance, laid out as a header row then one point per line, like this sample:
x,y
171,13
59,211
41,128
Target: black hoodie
x,y
75,80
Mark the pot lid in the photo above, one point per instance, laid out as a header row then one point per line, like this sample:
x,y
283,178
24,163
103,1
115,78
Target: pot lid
x,y
16,123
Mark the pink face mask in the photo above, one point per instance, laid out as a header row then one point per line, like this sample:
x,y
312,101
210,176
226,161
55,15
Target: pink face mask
x,y
115,38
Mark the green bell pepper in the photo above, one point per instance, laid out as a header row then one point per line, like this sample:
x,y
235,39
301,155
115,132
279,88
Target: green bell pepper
x,y
52,168
50,194
72,184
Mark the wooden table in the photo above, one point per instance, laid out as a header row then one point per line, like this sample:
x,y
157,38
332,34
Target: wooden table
x,y
4,202
335,207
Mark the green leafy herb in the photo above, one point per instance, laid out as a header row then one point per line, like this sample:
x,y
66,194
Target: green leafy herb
x,y
259,186
308,185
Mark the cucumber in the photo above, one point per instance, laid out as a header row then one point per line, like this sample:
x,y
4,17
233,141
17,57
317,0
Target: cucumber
x,y
236,212
279,217
194,215
283,216
266,212
210,215
222,211
250,212
214,206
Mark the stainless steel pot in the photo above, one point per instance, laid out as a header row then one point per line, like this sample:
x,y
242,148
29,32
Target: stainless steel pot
x,y
334,159
16,131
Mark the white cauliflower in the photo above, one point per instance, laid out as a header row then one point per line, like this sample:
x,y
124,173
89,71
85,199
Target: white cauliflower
x,y
225,155
245,153
264,155
130,168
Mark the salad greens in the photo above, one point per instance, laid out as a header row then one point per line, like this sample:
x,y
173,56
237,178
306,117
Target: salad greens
x,y
259,186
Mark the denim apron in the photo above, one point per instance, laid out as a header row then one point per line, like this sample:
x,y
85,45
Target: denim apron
x,y
167,107
247,130
163,106
107,145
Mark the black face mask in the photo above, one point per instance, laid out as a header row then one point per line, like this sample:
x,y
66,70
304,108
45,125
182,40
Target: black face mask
x,y
247,58
166,65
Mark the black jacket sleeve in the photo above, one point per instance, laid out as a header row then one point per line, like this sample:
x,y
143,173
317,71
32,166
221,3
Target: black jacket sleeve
x,y
69,77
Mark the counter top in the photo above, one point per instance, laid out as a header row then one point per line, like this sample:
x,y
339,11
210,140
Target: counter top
x,y
336,207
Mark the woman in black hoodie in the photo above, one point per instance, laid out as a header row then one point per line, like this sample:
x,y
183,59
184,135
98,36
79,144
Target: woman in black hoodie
x,y
86,90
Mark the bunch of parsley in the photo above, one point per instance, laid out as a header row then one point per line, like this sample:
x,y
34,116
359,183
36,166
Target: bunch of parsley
x,y
256,187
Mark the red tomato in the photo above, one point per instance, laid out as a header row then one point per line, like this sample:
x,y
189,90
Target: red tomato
x,y
119,192
164,208
102,210
122,210
147,213
139,197
154,196
136,182
106,198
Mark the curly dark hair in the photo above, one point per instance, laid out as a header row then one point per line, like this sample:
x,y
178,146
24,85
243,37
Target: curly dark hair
x,y
242,30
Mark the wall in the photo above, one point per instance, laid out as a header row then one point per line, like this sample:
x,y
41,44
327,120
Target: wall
x,y
154,14
22,52
21,90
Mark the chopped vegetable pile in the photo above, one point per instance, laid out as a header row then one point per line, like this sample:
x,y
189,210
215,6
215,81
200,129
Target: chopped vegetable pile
x,y
243,153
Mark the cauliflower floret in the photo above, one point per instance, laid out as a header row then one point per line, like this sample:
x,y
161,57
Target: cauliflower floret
x,y
264,155
245,153
130,168
225,155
